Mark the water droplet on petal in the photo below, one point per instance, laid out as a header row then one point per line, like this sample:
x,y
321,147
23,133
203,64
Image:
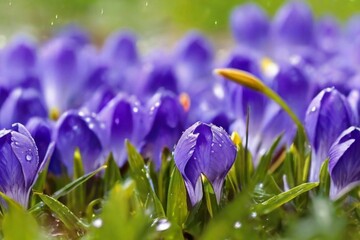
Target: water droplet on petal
x,y
313,109
28,156
237,225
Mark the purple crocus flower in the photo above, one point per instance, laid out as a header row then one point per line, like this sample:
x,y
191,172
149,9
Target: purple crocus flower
x,y
19,64
204,149
194,55
19,163
165,119
122,117
78,130
294,24
158,73
20,106
344,164
328,114
4,93
249,25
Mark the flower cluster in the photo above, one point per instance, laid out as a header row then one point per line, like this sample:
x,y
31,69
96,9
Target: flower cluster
x,y
80,96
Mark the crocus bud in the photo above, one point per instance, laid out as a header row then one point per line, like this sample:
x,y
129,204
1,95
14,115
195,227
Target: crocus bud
x,y
20,106
204,149
328,114
122,117
249,24
344,164
19,162
77,130
165,122
293,24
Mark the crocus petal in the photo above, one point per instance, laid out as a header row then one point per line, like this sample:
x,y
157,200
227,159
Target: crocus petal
x,y
327,116
76,130
344,164
20,106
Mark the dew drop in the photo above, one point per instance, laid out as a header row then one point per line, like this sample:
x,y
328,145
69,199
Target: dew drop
x,y
163,225
220,145
97,223
28,157
237,225
135,109
313,109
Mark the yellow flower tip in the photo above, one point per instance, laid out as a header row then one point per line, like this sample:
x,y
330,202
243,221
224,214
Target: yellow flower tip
x,y
235,138
243,78
185,101
268,67
77,154
54,114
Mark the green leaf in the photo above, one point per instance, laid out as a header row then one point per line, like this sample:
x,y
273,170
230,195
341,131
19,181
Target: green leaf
x,y
282,198
210,197
11,203
177,199
20,225
143,183
64,214
77,197
122,218
67,189
265,162
324,179
112,174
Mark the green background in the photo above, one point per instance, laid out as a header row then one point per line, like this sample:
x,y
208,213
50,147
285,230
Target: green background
x,y
168,19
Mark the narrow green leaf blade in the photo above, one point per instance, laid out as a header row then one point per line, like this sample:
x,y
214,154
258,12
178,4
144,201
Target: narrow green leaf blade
x,y
282,198
63,213
112,174
176,203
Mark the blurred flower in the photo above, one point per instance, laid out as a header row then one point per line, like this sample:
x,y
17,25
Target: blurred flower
x,y
293,24
164,123
78,130
19,163
99,99
344,164
19,64
328,114
20,106
193,56
249,25
63,72
122,117
204,149
158,74
4,93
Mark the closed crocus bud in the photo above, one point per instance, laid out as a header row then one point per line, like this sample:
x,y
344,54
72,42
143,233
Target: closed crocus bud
x,y
99,99
293,24
194,55
344,164
20,106
79,36
165,118
328,114
19,63
78,130
328,35
249,25
204,149
122,117
41,130
19,163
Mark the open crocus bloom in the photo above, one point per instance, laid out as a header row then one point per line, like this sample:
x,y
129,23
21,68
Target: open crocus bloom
x,y
204,149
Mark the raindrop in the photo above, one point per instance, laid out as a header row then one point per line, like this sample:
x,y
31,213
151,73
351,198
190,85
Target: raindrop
x,y
157,104
212,144
135,109
56,16
220,145
52,23
313,109
212,151
102,11
146,4
237,225
91,125
253,214
162,225
216,22
97,223
28,155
